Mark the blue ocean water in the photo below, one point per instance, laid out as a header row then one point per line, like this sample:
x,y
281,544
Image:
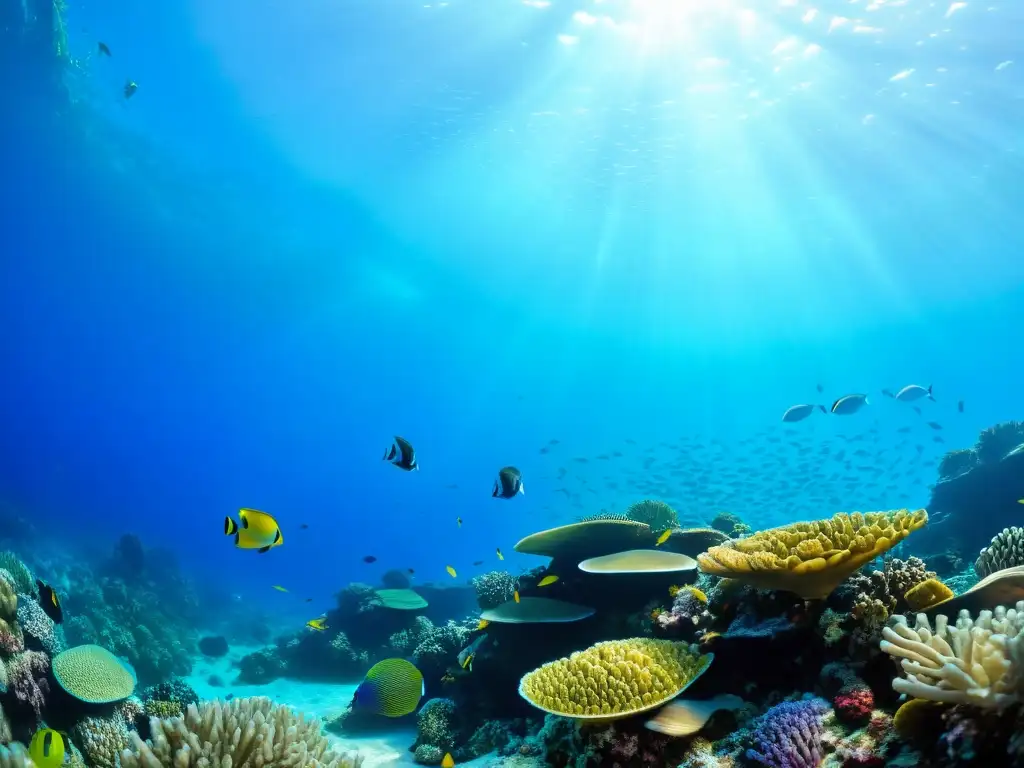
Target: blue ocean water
x,y
640,229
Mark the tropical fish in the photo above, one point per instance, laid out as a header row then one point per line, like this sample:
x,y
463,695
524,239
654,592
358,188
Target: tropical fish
x,y
280,589
451,571
483,624
130,87
402,454
318,624
551,579
500,556
913,392
369,559
1020,501
508,484
47,748
664,537
515,595
478,562
458,521
103,49
392,687
255,530
467,654
849,404
304,527
49,602
960,406
411,571
800,412
934,425
447,761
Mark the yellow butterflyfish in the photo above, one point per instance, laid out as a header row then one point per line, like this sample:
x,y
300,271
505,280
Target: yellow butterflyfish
x,y
447,761
451,571
547,580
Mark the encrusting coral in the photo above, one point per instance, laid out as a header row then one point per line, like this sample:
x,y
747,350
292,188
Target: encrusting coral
x,y
615,678
1005,551
243,733
974,662
812,558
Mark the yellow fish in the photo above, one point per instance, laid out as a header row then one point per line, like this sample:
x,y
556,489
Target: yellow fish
x,y
483,624
663,538
547,580
255,530
280,589
451,571
1020,501
447,761
515,595
500,556
318,624
47,748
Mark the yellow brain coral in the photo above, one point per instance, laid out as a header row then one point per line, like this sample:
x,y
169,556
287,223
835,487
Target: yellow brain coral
x,y
614,679
811,558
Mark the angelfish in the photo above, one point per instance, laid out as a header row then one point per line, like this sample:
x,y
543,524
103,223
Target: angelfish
x,y
402,454
508,484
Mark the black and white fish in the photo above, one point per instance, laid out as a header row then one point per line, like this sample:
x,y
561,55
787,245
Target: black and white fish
x,y
508,484
913,392
402,454
800,412
849,404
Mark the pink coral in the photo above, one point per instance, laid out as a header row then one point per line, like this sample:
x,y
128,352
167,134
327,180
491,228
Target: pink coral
x,y
11,639
27,675
853,704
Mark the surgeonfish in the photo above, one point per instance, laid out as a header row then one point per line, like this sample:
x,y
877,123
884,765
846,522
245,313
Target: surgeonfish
x,y
392,687
402,454
49,602
255,530
451,571
849,404
47,748
467,654
508,484
547,580
130,87
447,761
500,556
913,392
103,49
319,624
664,537
800,412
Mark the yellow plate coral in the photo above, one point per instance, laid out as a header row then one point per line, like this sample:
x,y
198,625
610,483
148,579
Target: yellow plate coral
x,y
614,679
812,558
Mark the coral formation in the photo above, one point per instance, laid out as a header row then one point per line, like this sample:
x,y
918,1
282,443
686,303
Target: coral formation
x,y
927,594
493,588
789,735
28,685
92,674
999,440
578,541
811,559
17,573
689,617
435,724
242,733
41,634
975,662
655,514
731,525
615,678
1005,551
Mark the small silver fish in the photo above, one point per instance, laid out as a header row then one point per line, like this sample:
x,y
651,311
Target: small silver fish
x,y
800,412
849,404
913,392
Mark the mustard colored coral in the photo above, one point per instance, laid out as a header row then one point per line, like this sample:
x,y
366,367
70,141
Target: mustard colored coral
x,y
811,558
614,679
926,594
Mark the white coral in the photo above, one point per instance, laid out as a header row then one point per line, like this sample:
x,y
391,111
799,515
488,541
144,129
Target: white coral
x,y
979,662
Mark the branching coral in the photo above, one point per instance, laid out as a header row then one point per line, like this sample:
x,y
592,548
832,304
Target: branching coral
x,y
41,634
789,735
435,724
812,558
976,662
729,524
493,588
244,733
612,679
1005,551
880,594
101,739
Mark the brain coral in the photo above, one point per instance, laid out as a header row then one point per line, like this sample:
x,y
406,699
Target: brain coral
x,y
243,733
811,558
93,674
614,679
1005,551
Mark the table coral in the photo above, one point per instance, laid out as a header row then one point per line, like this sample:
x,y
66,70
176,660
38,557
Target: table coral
x,y
812,558
789,735
974,662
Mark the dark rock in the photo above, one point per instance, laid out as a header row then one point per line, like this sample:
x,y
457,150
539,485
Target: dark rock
x,y
214,646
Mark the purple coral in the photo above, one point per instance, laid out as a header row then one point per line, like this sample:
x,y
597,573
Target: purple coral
x,y
789,735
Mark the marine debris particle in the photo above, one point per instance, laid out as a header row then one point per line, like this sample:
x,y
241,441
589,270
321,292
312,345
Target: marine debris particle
x,y
639,561
536,610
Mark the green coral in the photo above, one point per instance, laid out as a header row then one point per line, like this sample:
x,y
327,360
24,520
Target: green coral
x,y
658,515
8,598
612,679
24,581
158,708
93,674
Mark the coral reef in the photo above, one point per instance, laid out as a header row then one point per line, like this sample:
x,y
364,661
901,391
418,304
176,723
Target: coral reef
x,y
688,618
1005,551
92,674
657,515
731,525
493,588
789,735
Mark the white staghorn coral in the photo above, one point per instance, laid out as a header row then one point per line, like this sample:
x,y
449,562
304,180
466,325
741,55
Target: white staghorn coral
x,y
977,661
